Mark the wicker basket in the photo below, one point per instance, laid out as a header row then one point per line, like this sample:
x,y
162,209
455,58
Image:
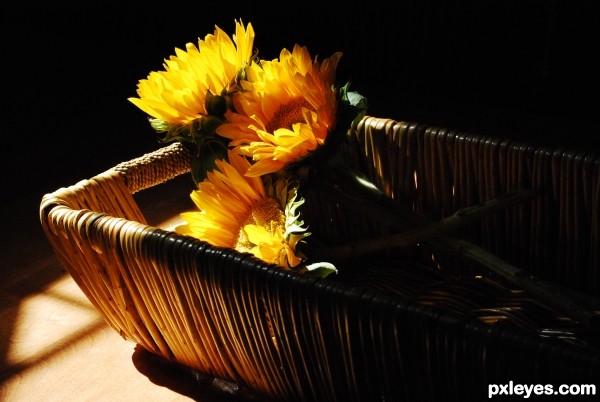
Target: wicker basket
x,y
422,323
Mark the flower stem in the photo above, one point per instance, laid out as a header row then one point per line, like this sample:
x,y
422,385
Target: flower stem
x,y
423,230
409,228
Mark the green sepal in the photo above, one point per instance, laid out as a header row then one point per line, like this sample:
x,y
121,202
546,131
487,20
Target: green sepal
x,y
216,105
209,149
201,133
169,132
352,107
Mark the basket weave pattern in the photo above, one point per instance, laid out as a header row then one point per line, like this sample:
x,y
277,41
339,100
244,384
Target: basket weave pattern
x,y
437,171
295,337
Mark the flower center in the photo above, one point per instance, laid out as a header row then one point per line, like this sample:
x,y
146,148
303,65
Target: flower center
x,y
266,213
287,114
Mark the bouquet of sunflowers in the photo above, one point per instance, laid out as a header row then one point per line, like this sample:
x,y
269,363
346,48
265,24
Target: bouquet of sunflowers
x,y
256,128
262,130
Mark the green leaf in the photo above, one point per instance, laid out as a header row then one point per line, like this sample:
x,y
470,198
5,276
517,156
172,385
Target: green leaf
x,y
209,150
353,107
321,269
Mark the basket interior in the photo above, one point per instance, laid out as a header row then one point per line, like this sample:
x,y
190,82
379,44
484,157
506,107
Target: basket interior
x,y
434,172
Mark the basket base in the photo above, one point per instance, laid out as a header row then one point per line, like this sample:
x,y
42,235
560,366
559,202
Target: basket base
x,y
188,382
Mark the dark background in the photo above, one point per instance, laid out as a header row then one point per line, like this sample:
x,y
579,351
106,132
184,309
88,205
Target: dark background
x,y
518,69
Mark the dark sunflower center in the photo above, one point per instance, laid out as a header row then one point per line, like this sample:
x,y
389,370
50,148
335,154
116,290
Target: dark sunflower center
x,y
287,115
266,213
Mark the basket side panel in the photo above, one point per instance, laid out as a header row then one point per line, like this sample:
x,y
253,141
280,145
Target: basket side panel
x,y
437,171
98,207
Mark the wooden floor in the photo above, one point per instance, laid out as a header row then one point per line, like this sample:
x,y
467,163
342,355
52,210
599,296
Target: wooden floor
x,y
55,347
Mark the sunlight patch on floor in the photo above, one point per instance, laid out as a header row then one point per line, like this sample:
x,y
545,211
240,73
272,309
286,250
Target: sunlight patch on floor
x,y
48,319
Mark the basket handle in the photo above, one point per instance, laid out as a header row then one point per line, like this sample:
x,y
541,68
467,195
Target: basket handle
x,y
155,167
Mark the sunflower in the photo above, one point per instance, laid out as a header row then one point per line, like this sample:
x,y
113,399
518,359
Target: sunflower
x,y
178,95
288,108
241,212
